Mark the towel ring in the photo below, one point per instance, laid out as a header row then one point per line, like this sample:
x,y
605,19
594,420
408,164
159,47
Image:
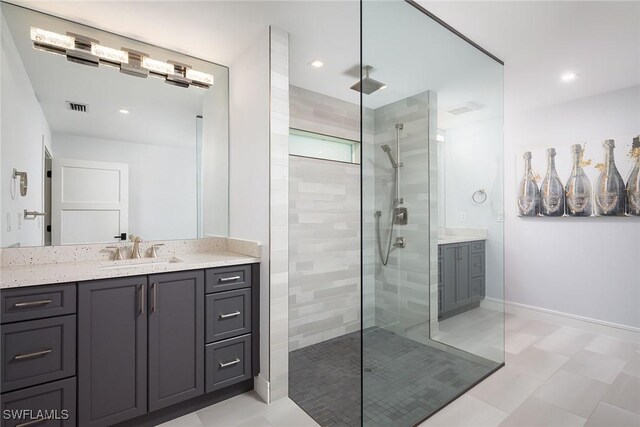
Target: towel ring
x,y
480,196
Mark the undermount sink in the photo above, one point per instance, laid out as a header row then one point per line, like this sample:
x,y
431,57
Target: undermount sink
x,y
137,263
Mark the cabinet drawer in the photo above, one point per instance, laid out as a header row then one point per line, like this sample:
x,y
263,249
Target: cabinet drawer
x,y
477,246
228,314
477,265
38,351
56,400
228,278
477,287
228,362
37,302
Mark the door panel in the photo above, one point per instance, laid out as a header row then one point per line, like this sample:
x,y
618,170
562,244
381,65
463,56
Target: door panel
x,y
463,277
449,272
89,195
176,337
112,350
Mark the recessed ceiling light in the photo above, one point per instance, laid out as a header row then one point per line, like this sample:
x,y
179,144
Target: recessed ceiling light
x,y
568,77
316,63
124,111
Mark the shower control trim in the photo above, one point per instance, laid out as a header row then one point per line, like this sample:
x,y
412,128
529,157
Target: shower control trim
x,y
400,242
401,216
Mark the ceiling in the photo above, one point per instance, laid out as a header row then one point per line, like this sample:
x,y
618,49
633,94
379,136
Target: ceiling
x,y
541,40
538,41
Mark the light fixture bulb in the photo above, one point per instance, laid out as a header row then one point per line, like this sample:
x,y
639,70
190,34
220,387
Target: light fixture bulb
x,y
157,67
199,76
316,63
568,77
383,87
124,111
49,38
109,54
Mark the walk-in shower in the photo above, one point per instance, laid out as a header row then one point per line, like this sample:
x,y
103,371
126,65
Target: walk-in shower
x,y
429,282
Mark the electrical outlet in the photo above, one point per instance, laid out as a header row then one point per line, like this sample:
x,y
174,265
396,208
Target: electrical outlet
x,y
463,216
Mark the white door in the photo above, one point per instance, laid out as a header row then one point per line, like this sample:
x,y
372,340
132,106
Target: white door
x,y
90,201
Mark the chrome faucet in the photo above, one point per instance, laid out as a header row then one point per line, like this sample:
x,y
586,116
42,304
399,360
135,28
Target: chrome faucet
x,y
135,251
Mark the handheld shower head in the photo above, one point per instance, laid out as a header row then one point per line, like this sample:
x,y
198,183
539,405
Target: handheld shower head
x,y
387,150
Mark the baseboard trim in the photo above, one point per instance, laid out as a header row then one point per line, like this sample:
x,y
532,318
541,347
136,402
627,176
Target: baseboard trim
x,y
262,387
559,316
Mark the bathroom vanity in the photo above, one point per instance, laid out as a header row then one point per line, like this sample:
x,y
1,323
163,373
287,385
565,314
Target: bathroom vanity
x,y
137,349
461,276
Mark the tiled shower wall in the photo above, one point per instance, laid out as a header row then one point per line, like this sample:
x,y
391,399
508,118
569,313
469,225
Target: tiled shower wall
x,y
402,286
324,267
324,250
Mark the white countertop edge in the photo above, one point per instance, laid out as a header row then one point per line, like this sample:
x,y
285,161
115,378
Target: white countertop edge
x,y
49,274
460,239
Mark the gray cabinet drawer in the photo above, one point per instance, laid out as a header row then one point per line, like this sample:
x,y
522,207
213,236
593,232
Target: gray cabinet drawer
x,y
227,278
477,246
228,314
58,399
477,287
38,351
477,265
228,362
37,302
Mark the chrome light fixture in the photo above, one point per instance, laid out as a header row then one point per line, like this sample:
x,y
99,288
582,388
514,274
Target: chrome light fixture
x,y
87,51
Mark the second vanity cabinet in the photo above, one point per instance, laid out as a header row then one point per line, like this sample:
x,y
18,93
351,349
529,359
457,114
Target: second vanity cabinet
x,y
461,277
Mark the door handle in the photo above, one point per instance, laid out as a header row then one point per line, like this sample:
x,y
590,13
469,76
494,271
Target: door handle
x,y
141,301
38,420
32,303
121,236
229,279
226,316
32,355
154,297
234,362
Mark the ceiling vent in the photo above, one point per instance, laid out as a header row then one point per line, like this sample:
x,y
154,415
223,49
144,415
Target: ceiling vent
x,y
466,108
76,106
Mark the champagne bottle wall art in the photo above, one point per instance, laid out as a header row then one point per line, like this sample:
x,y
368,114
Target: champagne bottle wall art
x,y
595,178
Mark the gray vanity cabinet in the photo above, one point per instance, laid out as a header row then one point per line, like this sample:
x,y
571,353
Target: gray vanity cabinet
x,y
461,277
112,350
176,337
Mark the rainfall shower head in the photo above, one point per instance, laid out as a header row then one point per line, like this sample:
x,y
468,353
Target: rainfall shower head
x,y
387,150
368,85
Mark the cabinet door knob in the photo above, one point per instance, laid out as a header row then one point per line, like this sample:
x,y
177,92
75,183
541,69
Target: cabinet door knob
x,y
32,355
141,301
226,316
234,362
32,303
229,279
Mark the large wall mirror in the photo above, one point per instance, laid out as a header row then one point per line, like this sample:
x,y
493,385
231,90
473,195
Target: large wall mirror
x,y
104,137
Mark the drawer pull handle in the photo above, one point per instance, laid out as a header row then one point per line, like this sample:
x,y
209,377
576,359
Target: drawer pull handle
x,y
229,279
234,362
226,316
38,420
32,355
32,303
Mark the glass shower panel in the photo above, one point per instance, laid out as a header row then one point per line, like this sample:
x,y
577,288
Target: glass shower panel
x,y
425,89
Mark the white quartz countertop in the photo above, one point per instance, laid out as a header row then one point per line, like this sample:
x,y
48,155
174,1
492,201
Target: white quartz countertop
x,y
63,272
458,239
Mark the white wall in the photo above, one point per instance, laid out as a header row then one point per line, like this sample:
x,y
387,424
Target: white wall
x,y
249,167
582,266
162,182
24,131
474,159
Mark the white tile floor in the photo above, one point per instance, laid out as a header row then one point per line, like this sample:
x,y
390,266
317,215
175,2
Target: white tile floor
x,y
558,374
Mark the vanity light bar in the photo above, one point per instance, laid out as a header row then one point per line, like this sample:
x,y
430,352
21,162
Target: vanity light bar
x,y
108,54
49,39
199,78
157,67
177,74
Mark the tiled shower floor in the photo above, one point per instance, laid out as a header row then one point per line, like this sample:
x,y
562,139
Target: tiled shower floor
x,y
404,380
